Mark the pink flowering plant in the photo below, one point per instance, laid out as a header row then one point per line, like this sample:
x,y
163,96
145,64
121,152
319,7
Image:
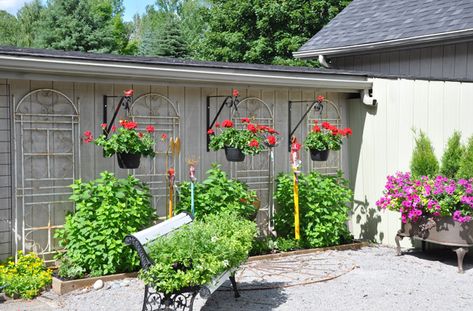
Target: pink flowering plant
x,y
251,139
427,197
124,139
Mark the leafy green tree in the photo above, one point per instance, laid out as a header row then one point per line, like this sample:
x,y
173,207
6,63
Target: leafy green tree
x,y
29,17
452,156
423,162
466,161
82,25
8,29
263,31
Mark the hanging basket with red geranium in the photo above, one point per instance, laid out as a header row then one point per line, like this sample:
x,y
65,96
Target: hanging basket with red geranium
x,y
323,138
126,141
250,140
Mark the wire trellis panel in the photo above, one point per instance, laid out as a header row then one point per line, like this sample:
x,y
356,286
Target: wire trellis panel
x,y
46,135
159,111
257,171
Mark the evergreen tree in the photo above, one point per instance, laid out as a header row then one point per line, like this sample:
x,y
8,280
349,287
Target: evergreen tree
x,y
171,42
466,162
452,156
423,162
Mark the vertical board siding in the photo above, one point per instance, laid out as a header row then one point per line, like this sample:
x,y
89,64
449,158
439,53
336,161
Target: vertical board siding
x,y
448,62
191,103
386,142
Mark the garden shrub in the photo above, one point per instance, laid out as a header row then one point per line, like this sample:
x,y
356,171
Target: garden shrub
x,y
466,162
452,156
196,253
107,209
423,162
323,206
216,194
26,278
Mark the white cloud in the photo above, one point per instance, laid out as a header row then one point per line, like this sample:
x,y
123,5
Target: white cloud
x,y
12,6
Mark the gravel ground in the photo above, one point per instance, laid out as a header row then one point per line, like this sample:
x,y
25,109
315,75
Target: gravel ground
x,y
377,280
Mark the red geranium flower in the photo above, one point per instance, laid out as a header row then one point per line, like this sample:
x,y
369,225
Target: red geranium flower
x,y
271,140
129,125
210,132
140,135
103,125
227,123
252,128
320,98
245,120
235,93
254,143
348,131
87,133
171,172
114,128
316,129
326,125
164,136
217,125
150,129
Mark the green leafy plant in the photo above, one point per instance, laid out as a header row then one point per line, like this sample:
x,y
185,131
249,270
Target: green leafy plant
x,y
107,209
26,278
250,140
196,253
423,162
323,205
466,162
452,156
216,194
125,139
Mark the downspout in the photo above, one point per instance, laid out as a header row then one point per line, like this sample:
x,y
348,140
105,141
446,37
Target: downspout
x,y
323,61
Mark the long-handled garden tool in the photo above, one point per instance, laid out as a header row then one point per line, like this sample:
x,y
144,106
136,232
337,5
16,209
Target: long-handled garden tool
x,y
295,164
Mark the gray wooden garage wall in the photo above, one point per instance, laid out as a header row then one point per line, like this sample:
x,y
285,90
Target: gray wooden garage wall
x,y
191,102
5,173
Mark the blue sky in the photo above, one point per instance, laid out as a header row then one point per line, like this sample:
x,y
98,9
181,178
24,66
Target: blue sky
x,y
131,6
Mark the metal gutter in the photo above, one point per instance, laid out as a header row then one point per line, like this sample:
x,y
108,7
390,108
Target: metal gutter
x,y
146,73
385,44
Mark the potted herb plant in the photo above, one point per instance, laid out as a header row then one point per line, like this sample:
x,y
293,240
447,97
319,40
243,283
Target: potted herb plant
x,y
237,143
324,138
127,142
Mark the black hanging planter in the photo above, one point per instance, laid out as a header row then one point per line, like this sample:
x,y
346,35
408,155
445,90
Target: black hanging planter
x,y
234,154
319,155
128,160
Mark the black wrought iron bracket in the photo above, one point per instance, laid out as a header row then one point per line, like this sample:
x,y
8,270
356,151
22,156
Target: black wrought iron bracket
x,y
125,101
229,101
318,106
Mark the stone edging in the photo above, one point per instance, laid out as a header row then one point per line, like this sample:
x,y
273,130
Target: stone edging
x,y
63,287
344,247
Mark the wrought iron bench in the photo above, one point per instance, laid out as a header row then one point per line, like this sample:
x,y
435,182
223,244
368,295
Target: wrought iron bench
x,y
184,299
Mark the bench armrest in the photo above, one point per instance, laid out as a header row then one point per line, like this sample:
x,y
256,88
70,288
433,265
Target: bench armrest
x,y
207,289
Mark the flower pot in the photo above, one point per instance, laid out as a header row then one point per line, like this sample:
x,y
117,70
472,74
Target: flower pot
x,y
128,160
234,154
319,155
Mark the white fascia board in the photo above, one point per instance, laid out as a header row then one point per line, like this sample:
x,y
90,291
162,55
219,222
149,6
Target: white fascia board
x,y
168,73
385,44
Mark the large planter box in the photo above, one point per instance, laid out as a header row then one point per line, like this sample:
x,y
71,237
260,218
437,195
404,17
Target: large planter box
x,y
443,231
63,287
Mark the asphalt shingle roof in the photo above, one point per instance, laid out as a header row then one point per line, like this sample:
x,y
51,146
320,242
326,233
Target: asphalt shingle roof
x,y
374,21
166,61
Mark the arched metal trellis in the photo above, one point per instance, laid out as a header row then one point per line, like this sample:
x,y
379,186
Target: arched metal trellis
x,y
329,113
46,135
257,171
159,111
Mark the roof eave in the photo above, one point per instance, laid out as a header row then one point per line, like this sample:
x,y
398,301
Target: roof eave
x,y
119,71
349,49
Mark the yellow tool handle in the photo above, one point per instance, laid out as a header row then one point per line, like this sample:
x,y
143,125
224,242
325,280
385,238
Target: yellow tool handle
x,y
170,201
296,209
